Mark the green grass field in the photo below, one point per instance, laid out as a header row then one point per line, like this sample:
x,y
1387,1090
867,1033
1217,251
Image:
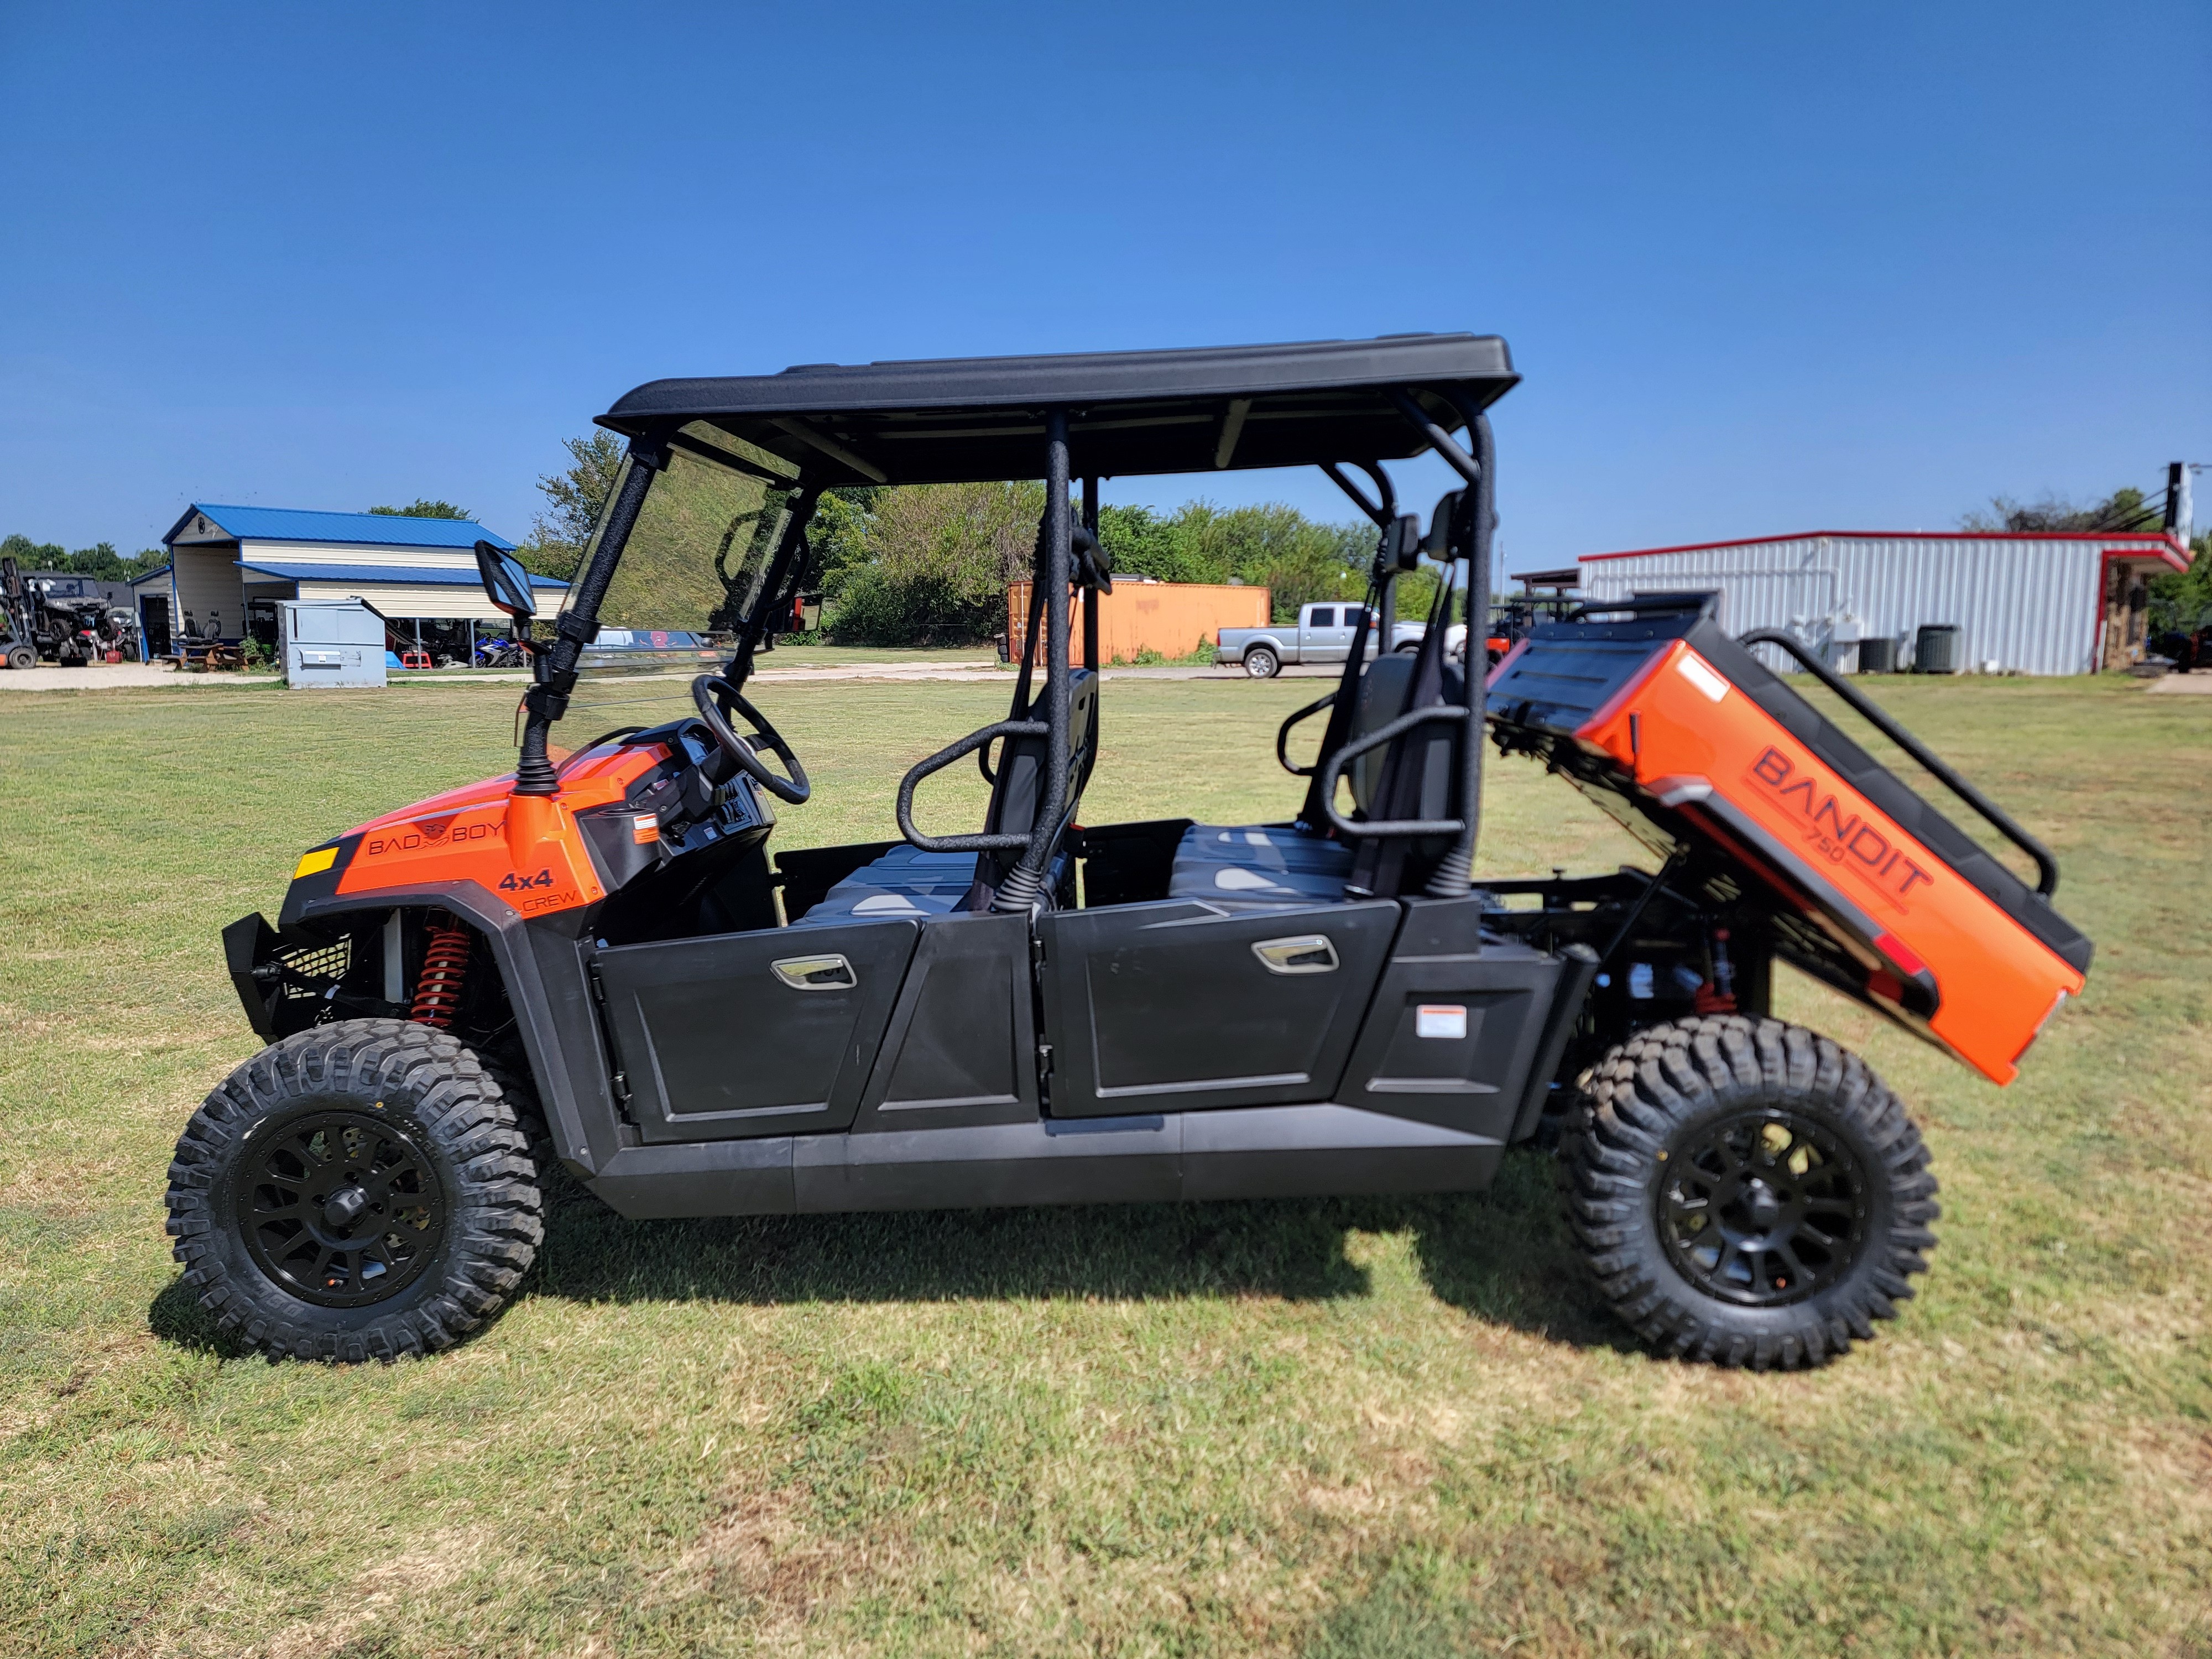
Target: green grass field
x,y
1330,1429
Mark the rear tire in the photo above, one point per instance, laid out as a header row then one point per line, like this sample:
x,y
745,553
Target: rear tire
x,y
1261,664
358,1191
22,656
1749,1192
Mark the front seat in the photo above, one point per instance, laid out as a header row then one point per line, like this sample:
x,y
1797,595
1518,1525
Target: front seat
x,y
905,882
909,882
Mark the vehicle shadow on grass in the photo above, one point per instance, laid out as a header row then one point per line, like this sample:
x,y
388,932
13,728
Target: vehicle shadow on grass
x,y
1503,1256
176,1317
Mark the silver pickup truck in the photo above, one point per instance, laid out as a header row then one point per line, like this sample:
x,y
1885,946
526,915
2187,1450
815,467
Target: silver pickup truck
x,y
1322,633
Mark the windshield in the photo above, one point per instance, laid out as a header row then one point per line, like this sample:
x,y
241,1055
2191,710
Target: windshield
x,y
687,579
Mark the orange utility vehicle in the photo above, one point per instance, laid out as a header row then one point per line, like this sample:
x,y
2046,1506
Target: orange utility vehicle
x,y
602,962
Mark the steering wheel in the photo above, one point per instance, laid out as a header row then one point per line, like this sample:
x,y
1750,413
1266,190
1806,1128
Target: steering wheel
x,y
711,692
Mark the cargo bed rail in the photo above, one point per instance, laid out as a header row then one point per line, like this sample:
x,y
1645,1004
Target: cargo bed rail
x,y
2046,865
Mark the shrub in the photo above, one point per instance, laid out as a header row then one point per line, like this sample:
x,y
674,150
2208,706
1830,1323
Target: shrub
x,y
1273,546
878,608
939,557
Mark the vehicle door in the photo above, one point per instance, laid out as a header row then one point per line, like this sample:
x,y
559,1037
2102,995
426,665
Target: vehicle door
x,y
1358,618
770,1032
1322,636
1180,1005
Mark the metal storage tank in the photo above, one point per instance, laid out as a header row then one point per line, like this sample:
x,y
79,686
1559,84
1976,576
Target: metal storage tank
x,y
331,643
2031,604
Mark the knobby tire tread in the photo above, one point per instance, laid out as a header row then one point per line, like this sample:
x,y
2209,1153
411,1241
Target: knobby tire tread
x,y
1647,1089
495,1223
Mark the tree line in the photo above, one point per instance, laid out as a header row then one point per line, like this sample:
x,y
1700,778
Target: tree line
x,y
101,561
930,564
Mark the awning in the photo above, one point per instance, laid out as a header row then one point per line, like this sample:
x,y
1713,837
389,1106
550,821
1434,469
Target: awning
x,y
405,576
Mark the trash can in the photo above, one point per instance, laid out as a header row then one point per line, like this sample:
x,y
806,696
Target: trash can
x,y
1935,649
1878,655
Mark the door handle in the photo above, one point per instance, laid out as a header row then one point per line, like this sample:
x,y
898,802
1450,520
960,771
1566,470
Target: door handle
x,y
824,973
1308,953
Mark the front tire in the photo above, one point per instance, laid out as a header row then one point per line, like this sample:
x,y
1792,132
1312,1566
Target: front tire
x,y
359,1191
1261,664
1749,1192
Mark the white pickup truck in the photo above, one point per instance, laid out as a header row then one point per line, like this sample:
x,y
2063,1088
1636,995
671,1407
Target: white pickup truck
x,y
1322,633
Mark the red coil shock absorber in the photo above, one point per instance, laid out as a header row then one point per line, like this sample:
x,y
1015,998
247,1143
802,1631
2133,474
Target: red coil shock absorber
x,y
445,969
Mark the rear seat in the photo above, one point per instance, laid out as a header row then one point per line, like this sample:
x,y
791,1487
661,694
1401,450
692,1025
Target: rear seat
x,y
1258,864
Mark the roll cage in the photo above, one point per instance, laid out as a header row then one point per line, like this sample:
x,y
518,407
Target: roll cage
x,y
1338,405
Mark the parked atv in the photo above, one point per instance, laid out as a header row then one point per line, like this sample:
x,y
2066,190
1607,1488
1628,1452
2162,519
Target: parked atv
x,y
70,632
606,964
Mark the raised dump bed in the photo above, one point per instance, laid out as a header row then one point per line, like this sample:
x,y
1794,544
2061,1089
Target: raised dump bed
x,y
1654,711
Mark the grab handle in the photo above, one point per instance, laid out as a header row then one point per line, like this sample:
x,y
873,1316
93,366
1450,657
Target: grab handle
x,y
1376,739
938,762
1645,605
1283,735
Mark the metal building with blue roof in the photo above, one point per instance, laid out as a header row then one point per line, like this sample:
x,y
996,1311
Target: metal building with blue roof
x,y
230,566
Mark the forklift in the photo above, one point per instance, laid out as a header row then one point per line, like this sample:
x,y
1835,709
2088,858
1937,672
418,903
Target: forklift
x,y
19,617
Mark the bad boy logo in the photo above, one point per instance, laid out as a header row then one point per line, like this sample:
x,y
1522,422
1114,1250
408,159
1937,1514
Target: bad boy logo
x,y
1844,840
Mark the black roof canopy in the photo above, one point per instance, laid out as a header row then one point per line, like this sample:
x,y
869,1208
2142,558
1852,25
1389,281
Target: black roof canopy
x,y
958,419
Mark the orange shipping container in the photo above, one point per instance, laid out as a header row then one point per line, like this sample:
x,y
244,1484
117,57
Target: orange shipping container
x,y
1176,619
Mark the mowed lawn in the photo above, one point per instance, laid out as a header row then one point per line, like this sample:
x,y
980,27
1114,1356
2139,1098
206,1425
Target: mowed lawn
x,y
1299,1428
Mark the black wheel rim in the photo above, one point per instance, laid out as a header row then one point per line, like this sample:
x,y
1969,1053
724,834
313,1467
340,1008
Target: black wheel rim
x,y
341,1208
1762,1208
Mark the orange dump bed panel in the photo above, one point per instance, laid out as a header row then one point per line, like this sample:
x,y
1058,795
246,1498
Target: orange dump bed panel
x,y
1886,896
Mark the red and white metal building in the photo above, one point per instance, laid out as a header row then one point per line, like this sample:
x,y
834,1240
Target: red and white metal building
x,y
2051,602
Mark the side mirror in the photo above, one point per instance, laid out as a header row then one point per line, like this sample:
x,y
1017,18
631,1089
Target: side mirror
x,y
505,583
1439,542
1401,543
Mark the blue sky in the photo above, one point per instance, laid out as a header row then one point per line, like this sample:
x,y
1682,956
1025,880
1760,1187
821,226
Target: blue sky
x,y
1763,268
